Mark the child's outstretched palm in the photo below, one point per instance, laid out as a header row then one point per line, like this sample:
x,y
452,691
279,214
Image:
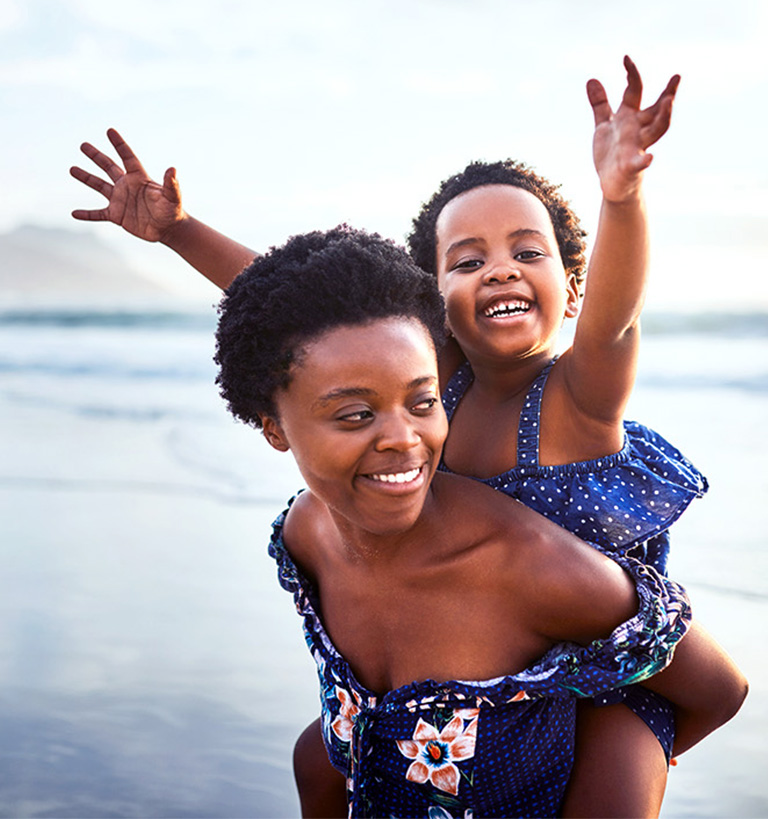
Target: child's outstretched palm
x,y
622,137
136,202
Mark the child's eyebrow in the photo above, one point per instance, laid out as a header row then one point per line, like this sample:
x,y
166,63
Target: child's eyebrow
x,y
515,234
356,392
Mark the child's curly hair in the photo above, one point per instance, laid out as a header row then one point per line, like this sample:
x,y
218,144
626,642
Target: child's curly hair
x,y
422,241
314,283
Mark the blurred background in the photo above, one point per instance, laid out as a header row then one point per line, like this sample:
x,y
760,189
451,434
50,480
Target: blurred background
x,y
149,663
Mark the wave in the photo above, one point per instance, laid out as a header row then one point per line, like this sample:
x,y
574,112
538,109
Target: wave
x,y
224,494
189,371
730,324
734,324
192,368
110,318
754,383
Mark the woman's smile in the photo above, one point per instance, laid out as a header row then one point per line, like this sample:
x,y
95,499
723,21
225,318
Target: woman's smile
x,y
400,482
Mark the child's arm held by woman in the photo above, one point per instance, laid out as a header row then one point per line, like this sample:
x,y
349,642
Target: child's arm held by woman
x,y
704,685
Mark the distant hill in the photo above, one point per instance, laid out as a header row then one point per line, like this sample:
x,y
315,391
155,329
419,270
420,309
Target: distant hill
x,y
47,266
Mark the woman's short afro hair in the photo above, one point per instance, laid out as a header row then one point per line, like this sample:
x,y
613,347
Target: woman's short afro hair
x,y
314,283
422,240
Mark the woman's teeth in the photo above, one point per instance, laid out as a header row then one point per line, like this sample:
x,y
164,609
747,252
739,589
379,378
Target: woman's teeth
x,y
397,477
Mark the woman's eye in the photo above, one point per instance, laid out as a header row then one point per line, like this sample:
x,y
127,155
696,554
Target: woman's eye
x,y
356,417
426,404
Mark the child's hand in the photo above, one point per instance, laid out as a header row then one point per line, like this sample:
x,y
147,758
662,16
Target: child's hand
x,y
135,202
621,138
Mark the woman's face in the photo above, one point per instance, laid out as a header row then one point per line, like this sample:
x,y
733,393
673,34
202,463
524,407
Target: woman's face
x,y
363,418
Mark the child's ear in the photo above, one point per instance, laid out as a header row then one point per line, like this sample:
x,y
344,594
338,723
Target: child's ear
x,y
274,434
573,298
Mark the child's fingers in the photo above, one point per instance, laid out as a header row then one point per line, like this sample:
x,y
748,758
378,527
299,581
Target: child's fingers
x,y
130,160
171,189
640,162
91,215
672,86
110,167
666,96
659,124
633,93
598,99
100,185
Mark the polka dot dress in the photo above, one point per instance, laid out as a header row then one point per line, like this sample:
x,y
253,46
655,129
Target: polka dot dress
x,y
624,502
501,747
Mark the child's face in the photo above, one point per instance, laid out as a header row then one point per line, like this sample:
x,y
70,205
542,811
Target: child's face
x,y
363,418
501,274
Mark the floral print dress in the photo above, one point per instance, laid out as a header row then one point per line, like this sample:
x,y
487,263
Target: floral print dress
x,y
501,747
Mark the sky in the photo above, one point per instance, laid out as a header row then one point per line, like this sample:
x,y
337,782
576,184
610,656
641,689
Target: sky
x,y
290,116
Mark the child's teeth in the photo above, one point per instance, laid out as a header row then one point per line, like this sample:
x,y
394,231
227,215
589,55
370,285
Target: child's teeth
x,y
506,308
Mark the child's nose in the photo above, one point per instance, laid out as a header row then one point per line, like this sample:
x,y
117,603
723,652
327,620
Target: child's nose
x,y
502,272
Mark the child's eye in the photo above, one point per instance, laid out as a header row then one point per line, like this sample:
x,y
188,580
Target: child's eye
x,y
467,264
528,255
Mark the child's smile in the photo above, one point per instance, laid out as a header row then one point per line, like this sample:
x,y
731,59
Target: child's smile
x,y
500,270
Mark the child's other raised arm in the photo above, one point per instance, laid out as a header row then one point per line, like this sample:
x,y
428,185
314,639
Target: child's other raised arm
x,y
153,212
704,685
602,362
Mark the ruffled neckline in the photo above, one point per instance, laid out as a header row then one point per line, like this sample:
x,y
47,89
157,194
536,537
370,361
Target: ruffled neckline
x,y
635,650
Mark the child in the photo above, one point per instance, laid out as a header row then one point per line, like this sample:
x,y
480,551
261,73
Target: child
x,y
508,255
409,579
501,241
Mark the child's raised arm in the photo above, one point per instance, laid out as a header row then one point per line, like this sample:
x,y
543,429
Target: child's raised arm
x,y
602,362
153,212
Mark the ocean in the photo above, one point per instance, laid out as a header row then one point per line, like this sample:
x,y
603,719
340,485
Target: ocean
x,y
150,665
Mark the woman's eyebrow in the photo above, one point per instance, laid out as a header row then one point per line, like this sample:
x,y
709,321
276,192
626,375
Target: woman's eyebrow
x,y
358,392
422,380
342,392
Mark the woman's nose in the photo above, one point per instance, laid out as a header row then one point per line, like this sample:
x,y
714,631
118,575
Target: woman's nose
x,y
397,433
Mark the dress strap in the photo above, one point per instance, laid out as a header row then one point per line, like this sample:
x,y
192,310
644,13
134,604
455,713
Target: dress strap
x,y
528,428
456,388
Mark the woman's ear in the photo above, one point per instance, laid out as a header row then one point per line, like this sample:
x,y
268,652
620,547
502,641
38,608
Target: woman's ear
x,y
274,434
573,298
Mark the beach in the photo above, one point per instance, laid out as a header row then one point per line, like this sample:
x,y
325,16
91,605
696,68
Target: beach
x,y
151,666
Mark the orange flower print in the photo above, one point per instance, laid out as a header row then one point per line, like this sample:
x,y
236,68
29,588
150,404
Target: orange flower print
x,y
433,753
342,725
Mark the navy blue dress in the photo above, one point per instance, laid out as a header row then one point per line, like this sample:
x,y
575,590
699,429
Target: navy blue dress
x,y
501,747
624,502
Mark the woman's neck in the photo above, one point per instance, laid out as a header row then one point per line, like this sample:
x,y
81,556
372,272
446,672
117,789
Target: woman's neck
x,y
360,545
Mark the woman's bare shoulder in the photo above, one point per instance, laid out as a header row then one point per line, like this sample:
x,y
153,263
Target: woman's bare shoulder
x,y
492,515
306,528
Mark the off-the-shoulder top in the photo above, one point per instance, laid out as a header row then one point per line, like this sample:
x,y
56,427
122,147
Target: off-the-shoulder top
x,y
499,747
